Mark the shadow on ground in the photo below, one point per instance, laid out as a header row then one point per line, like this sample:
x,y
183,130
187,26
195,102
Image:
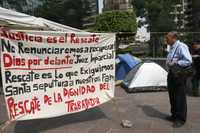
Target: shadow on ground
x,y
36,126
152,112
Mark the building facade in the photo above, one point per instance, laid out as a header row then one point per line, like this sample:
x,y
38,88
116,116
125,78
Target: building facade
x,y
117,5
182,13
89,20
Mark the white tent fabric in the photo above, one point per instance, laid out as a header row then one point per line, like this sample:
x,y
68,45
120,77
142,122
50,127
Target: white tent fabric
x,y
16,20
148,75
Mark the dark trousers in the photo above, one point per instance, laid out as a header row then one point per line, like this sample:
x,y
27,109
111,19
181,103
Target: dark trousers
x,y
177,96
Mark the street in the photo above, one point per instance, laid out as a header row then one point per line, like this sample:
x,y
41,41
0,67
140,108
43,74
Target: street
x,y
147,112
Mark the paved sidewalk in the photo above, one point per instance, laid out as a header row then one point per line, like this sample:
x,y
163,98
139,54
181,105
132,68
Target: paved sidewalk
x,y
146,110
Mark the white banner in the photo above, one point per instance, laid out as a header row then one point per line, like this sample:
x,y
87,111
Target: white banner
x,y
49,74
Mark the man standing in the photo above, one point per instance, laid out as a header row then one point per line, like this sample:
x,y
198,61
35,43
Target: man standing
x,y
178,55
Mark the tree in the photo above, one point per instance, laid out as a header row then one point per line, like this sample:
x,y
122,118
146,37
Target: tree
x,y
139,7
195,19
158,13
14,4
196,15
116,21
68,12
158,18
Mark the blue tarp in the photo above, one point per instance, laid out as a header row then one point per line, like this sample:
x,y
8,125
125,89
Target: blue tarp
x,y
127,63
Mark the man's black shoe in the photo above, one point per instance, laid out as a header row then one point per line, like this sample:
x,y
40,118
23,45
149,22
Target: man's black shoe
x,y
178,124
170,118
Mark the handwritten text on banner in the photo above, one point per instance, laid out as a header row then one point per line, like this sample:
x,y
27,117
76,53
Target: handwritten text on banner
x,y
49,74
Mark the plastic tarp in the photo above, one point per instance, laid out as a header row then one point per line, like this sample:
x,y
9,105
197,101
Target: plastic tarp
x,y
126,63
16,20
146,75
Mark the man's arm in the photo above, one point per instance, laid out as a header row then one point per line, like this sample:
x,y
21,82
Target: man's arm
x,y
186,59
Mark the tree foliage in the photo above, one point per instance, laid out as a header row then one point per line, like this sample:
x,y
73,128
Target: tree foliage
x,y
196,15
14,4
139,7
116,21
157,14
68,12
158,19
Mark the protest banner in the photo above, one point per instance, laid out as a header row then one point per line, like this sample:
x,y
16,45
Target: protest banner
x,y
49,74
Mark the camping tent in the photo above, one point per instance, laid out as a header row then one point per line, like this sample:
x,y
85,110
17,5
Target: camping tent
x,y
146,76
126,62
16,20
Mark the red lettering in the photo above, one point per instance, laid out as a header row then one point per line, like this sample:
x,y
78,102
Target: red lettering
x,y
22,107
89,39
73,39
74,106
55,39
58,61
61,39
57,97
31,38
11,107
7,59
82,90
20,36
47,100
10,61
104,86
